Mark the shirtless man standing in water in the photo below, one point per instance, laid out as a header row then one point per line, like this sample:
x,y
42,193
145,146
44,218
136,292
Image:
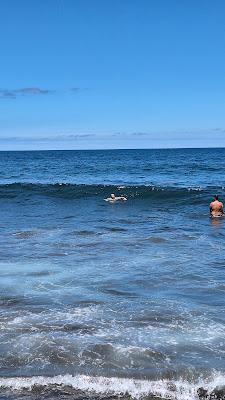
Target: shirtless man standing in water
x,y
216,208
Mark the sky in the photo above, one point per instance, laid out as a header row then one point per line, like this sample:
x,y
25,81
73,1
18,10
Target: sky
x,y
77,74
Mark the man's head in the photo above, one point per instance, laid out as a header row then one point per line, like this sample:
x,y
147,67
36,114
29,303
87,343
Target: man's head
x,y
216,197
113,195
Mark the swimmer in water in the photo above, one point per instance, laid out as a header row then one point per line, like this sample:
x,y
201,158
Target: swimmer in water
x,y
216,207
114,198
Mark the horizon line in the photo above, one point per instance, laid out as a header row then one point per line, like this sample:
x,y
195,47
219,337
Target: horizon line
x,y
110,149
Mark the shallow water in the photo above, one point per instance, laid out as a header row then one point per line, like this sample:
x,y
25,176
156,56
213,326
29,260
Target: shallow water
x,y
105,299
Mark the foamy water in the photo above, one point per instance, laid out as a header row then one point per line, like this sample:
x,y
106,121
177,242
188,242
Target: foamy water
x,y
179,390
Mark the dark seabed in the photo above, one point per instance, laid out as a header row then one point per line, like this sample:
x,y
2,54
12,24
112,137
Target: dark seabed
x,y
102,300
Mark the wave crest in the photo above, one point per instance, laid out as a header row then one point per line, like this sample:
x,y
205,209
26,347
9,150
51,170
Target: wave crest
x,y
73,191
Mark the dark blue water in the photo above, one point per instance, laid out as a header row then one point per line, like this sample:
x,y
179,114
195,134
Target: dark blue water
x,y
111,299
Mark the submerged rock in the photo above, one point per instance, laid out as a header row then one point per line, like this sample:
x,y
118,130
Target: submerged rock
x,y
202,393
216,394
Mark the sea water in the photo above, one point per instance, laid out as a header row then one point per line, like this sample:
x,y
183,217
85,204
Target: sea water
x,y
123,299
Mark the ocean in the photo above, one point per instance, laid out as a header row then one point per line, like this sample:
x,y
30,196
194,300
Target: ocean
x,y
107,301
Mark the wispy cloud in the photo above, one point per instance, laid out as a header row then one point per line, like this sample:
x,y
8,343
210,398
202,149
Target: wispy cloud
x,y
134,140
56,138
75,136
27,91
140,134
75,89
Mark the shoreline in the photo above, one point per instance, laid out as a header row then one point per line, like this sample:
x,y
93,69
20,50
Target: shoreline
x,y
98,388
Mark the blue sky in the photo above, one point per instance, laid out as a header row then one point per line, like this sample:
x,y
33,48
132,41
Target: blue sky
x,y
112,73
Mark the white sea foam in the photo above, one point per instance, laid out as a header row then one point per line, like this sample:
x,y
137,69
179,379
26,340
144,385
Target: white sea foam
x,y
177,390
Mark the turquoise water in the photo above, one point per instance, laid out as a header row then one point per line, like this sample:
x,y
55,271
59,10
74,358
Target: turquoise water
x,y
111,298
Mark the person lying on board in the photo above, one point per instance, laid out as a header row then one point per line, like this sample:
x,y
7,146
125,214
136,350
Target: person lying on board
x,y
216,207
114,198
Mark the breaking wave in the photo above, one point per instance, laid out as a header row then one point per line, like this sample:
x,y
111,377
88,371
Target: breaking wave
x,y
136,389
73,191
